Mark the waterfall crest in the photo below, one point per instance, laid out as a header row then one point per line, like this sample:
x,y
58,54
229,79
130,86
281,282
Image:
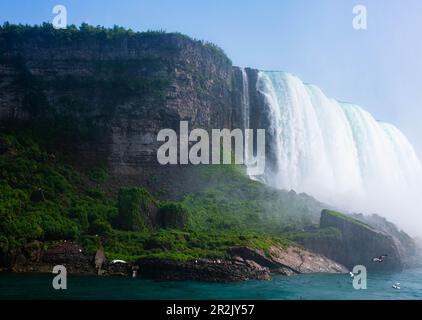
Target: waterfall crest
x,y
338,152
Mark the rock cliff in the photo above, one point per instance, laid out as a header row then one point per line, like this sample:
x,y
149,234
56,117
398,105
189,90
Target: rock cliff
x,y
120,89
359,243
101,96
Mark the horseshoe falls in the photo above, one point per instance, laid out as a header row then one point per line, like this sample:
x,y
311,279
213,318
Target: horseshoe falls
x,y
338,153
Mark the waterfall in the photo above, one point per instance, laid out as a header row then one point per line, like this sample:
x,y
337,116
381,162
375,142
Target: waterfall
x,y
245,99
245,111
338,152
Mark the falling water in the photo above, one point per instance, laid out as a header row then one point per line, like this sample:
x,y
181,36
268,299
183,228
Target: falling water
x,y
245,110
339,153
245,98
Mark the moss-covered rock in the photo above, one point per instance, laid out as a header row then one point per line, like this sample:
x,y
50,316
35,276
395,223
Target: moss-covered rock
x,y
173,215
137,209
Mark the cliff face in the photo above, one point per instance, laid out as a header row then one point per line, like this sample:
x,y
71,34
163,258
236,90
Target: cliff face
x,y
359,244
114,93
108,95
122,89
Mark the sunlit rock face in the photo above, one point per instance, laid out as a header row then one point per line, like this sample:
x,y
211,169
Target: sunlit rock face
x,y
118,91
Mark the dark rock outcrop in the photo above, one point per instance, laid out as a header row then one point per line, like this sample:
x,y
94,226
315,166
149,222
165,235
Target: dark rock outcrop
x,y
35,258
245,263
406,246
117,269
70,255
359,243
201,270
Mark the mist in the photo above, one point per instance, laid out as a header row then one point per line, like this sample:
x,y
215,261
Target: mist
x,y
340,154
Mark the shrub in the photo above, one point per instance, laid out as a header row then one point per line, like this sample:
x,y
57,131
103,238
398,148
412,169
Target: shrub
x,y
134,205
173,216
100,227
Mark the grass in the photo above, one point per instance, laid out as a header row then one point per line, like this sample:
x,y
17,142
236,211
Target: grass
x,y
347,218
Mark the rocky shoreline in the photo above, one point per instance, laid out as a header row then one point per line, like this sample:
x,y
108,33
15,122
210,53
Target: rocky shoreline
x,y
242,264
319,254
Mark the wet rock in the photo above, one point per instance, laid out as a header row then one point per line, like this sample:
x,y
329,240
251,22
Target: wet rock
x,y
201,270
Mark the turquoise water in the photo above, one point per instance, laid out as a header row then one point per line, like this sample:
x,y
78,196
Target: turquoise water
x,y
317,286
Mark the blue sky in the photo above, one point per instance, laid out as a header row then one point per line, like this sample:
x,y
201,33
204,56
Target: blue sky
x,y
379,68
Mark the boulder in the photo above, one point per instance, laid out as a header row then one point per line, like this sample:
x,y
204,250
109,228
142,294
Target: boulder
x,y
358,244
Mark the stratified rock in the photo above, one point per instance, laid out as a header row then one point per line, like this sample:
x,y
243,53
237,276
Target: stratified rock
x,y
290,260
406,245
126,88
358,245
68,254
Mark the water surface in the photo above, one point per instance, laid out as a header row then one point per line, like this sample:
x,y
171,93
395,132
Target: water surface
x,y
315,286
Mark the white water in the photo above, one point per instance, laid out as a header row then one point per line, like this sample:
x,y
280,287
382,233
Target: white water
x,y
246,115
338,153
245,99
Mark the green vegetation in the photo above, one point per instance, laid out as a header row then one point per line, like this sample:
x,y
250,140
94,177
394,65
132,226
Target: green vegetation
x,y
173,215
135,205
43,199
229,200
85,31
346,217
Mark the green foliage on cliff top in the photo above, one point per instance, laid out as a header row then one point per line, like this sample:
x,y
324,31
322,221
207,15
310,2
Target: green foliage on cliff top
x,y
85,31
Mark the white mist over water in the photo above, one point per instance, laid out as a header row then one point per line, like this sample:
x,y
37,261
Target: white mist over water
x,y
338,153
